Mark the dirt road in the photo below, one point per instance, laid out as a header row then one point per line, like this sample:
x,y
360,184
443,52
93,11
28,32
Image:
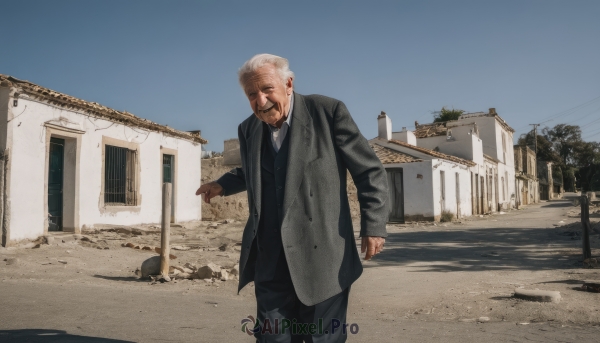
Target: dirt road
x,y
448,282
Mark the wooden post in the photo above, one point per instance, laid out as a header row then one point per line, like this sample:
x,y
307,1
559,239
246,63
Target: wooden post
x,y
165,229
585,222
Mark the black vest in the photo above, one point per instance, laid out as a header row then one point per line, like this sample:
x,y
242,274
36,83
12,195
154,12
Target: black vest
x,y
273,174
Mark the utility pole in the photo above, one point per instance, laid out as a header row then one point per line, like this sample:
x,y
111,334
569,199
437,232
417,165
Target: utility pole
x,y
535,137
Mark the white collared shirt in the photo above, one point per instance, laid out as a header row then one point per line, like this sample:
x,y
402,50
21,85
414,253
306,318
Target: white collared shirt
x,y
278,135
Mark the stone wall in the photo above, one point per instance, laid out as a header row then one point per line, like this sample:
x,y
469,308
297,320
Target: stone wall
x,y
231,152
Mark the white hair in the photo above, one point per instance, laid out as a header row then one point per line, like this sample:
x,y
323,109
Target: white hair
x,y
281,65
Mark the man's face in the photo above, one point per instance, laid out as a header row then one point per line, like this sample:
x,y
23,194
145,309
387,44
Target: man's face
x,y
269,97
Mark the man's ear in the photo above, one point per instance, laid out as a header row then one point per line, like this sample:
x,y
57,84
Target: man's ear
x,y
289,86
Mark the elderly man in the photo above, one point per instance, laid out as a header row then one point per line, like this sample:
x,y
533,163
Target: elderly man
x,y
298,245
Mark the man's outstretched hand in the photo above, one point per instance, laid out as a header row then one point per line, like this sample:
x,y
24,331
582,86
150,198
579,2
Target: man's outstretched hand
x,y
210,190
372,245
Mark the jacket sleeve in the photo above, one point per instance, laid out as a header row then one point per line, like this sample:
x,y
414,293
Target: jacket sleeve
x,y
367,172
234,181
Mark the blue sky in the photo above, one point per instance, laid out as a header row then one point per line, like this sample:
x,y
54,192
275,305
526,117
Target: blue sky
x,y
175,62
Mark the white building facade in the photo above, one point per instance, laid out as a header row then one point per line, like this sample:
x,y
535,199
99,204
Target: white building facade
x,y
486,139
463,167
69,164
423,183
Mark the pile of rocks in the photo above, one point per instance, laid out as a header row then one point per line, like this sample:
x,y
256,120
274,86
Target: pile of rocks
x,y
211,271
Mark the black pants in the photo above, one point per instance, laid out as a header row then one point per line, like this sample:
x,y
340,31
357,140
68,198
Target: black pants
x,y
285,319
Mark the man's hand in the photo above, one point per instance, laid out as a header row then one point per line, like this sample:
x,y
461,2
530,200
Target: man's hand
x,y
210,190
372,245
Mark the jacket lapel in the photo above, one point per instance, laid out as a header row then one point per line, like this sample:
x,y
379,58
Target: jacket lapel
x,y
300,150
255,150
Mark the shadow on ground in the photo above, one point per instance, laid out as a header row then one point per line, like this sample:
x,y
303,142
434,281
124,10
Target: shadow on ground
x,y
559,203
481,249
49,336
122,278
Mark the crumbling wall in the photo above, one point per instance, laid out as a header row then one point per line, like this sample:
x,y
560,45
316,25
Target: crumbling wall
x,y
231,152
236,206
230,207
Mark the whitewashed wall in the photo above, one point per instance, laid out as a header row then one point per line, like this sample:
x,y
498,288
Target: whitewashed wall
x,y
27,141
418,191
450,170
422,190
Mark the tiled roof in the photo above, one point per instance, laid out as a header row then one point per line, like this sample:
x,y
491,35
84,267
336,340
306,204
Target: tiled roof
x,y
434,153
92,108
430,130
440,129
388,156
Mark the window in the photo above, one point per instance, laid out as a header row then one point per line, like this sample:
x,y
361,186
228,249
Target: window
x,y
503,190
503,147
506,180
119,176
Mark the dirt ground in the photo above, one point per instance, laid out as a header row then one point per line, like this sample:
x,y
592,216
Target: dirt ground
x,y
444,281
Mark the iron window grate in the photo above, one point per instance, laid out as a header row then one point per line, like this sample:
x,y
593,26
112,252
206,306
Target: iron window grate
x,y
119,176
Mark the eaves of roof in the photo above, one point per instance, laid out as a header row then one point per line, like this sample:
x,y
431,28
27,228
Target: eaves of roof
x,y
92,108
389,156
488,157
434,153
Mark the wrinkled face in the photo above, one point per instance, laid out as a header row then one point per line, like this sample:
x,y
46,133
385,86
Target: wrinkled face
x,y
269,97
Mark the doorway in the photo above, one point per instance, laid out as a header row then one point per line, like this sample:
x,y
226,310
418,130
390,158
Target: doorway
x,y
442,191
55,184
458,213
396,195
482,195
169,176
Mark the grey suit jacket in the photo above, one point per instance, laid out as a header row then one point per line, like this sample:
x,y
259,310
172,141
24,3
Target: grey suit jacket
x,y
318,239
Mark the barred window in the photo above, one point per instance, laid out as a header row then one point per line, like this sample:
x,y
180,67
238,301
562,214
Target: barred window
x,y
119,176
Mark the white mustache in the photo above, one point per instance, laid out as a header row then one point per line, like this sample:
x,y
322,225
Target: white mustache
x,y
268,106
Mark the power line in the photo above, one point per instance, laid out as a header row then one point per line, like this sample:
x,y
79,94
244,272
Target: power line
x,y
593,131
592,122
574,109
589,136
566,112
585,116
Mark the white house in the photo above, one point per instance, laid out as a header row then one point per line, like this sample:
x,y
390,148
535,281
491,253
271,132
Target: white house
x,y
423,183
486,139
68,164
463,167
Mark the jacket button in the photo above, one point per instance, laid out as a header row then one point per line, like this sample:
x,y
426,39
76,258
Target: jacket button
x,y
315,246
310,219
256,214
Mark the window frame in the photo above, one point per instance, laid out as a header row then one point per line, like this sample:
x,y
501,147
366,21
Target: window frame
x,y
133,171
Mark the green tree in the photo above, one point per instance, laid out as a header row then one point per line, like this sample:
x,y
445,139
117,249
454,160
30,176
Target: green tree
x,y
564,138
545,150
446,115
569,179
586,153
595,182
